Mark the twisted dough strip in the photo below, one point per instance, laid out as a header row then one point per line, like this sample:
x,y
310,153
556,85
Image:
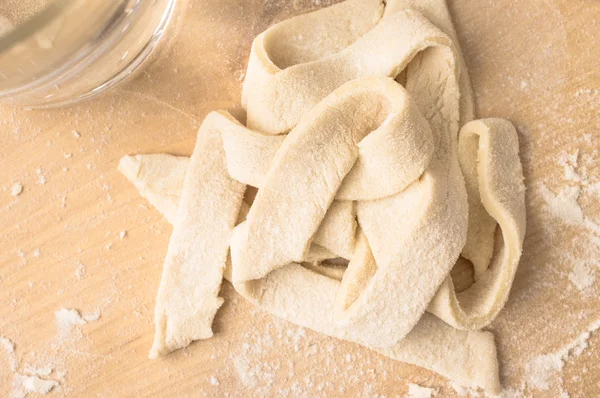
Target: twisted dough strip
x,y
431,344
160,179
433,211
336,44
207,212
393,32
303,180
444,165
489,154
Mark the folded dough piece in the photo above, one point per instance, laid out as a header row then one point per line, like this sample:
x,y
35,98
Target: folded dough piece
x,y
437,12
467,357
250,155
279,87
159,178
389,42
432,344
286,78
307,173
436,206
499,166
308,37
210,203
491,147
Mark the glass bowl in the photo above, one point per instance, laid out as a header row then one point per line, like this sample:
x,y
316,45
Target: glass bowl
x,y
74,49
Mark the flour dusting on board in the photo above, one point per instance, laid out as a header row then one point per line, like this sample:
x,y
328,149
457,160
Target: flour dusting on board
x,y
80,272
29,381
462,391
545,369
9,349
66,319
37,371
583,274
288,360
16,189
417,391
24,385
565,206
42,379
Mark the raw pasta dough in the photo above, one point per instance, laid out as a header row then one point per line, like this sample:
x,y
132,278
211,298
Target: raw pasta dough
x,y
360,148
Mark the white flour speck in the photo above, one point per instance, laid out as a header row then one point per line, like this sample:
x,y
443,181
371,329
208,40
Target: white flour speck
x,y
23,385
80,271
583,275
67,319
417,391
16,189
543,369
9,348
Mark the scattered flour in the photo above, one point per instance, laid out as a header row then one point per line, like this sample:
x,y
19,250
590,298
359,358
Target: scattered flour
x,y
417,391
30,381
66,319
249,375
23,385
542,370
594,189
37,371
9,348
583,275
214,381
564,205
41,177
91,316
506,393
16,189
80,271
462,391
570,163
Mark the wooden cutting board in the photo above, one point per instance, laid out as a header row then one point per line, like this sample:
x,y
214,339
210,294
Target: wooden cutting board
x,y
534,62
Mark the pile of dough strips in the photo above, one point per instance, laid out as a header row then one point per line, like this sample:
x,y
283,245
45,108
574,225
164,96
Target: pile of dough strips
x,y
375,219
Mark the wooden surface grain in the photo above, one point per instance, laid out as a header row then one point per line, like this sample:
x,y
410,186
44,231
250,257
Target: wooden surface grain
x,y
534,62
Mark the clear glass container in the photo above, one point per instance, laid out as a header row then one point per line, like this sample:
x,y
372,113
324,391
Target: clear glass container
x,y
74,49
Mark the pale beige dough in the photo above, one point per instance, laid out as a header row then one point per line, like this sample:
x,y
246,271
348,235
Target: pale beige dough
x,y
491,146
366,160
431,344
159,178
208,209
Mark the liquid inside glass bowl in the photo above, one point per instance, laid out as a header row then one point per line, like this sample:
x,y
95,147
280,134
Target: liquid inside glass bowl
x,y
56,52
